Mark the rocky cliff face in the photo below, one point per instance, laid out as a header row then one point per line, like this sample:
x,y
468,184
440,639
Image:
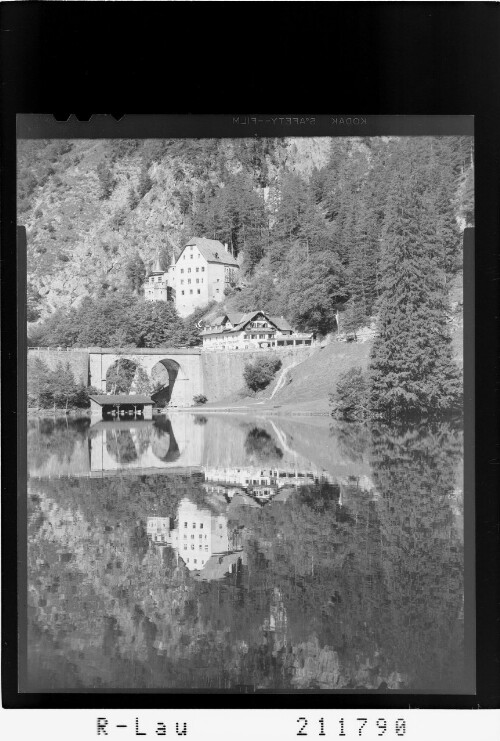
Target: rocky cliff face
x,y
88,206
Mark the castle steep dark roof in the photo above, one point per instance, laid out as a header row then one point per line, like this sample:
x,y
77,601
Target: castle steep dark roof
x,y
212,250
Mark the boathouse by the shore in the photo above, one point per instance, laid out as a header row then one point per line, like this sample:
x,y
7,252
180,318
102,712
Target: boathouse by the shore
x,y
121,405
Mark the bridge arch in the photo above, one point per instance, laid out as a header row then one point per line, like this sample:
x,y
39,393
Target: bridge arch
x,y
181,367
120,376
164,373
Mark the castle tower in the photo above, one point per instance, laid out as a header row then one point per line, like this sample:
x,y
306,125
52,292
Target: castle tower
x,y
156,285
171,274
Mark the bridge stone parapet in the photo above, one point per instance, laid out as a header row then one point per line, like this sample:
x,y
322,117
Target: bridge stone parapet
x,y
76,358
216,374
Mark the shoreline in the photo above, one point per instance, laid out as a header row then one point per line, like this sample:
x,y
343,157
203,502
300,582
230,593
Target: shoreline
x,y
254,409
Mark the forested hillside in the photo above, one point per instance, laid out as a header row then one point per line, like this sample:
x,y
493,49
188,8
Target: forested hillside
x,y
307,219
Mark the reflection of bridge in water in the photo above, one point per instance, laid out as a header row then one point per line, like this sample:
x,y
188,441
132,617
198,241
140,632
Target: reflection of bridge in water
x,y
262,457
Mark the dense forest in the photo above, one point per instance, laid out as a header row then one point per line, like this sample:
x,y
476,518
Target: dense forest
x,y
310,220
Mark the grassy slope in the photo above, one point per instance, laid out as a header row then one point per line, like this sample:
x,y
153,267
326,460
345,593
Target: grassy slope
x,y
309,384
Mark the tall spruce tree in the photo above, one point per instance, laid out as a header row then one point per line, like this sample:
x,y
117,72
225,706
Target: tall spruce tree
x,y
411,365
135,270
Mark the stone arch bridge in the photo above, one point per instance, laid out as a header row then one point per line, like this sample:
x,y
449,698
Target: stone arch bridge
x,y
183,365
186,371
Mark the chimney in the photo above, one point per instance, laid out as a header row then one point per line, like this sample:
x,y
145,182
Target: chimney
x,y
226,246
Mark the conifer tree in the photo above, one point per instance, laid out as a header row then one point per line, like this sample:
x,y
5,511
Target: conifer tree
x,y
135,271
412,369
63,385
316,288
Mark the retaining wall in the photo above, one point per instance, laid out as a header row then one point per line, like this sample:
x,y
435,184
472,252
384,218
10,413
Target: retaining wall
x,y
223,371
217,374
78,360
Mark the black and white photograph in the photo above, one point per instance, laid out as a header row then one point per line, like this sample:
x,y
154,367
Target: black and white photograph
x,y
245,413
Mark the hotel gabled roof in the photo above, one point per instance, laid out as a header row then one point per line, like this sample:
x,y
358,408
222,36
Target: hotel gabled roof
x,y
240,320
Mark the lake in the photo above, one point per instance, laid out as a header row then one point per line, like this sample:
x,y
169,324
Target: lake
x,y
245,553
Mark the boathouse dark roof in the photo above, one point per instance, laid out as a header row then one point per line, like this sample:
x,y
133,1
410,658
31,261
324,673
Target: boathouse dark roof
x,y
104,399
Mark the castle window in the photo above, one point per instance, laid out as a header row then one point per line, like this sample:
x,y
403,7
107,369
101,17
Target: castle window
x,y
191,291
201,526
191,256
197,269
182,293
182,282
198,291
189,281
189,270
203,270
182,270
216,290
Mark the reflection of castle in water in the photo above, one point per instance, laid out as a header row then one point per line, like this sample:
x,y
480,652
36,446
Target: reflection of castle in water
x,y
202,539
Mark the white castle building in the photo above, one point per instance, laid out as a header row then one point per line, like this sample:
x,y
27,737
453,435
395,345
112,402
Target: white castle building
x,y
201,273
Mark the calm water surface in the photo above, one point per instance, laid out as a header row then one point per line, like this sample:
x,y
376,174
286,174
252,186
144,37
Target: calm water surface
x,y
245,553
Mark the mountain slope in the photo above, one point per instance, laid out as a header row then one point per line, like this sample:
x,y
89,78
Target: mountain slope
x,y
89,206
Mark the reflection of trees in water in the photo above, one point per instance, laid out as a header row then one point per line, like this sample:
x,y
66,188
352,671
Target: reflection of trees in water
x,y
121,446
377,582
421,551
54,437
380,581
260,446
142,437
353,439
164,444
